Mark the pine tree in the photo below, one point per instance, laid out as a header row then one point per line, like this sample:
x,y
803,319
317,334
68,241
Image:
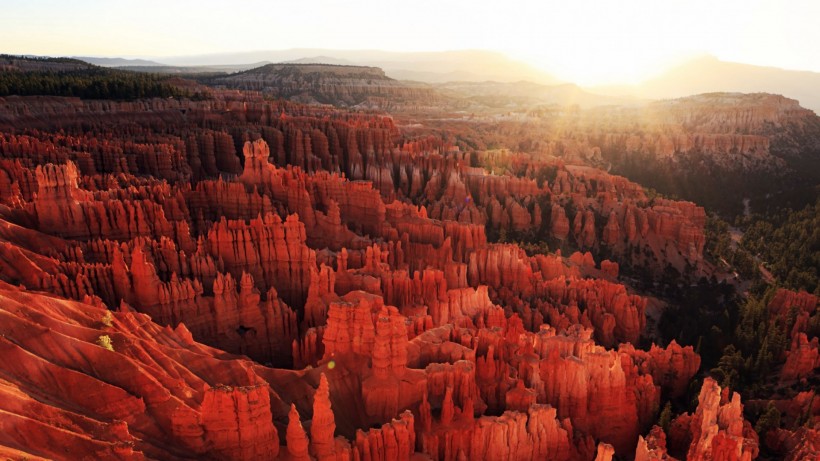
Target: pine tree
x,y
764,359
768,421
665,419
729,368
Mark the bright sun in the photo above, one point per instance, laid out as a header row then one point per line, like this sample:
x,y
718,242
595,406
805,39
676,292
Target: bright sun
x,y
589,42
619,44
601,66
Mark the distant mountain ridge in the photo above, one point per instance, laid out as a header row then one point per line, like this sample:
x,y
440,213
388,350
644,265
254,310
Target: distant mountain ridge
x,y
340,85
118,62
705,74
430,67
520,95
320,60
315,68
40,63
709,74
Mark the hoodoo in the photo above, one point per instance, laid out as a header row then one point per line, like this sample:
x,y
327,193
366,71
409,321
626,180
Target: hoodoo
x,y
228,267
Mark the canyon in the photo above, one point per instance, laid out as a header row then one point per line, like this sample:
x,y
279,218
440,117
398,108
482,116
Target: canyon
x,y
238,277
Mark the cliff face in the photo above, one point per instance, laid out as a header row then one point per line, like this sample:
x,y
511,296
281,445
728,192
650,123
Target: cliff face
x,y
734,131
714,149
803,358
122,387
345,86
333,294
799,309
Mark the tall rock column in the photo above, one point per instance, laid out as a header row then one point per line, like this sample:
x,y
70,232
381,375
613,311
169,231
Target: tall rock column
x,y
324,423
296,437
718,429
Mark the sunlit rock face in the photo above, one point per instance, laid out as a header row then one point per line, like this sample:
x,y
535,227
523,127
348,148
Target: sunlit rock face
x,y
717,429
283,281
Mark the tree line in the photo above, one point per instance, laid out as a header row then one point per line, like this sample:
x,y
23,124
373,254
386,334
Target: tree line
x,y
91,83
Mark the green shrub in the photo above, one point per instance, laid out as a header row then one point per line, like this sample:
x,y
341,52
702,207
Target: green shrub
x,y
108,319
105,342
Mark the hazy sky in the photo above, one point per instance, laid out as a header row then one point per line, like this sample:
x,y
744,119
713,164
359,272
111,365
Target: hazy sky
x,y
585,41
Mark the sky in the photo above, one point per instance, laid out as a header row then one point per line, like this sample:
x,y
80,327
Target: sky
x,y
584,41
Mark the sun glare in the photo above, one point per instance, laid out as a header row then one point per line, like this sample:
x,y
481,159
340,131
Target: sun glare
x,y
600,66
586,42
